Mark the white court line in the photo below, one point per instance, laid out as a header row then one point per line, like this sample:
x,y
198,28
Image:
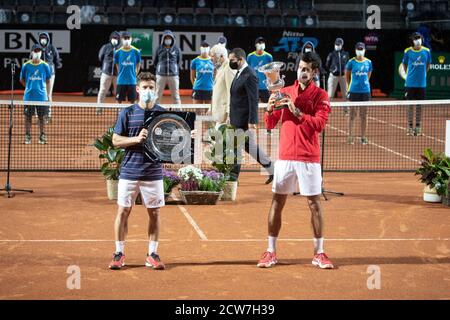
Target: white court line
x,y
380,146
192,222
229,240
403,128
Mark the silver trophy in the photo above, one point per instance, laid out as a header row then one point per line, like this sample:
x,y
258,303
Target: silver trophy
x,y
274,81
165,132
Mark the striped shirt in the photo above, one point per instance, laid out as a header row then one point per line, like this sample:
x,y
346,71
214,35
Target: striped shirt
x,y
135,165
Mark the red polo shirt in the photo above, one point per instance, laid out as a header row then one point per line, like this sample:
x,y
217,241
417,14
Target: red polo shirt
x,y
299,136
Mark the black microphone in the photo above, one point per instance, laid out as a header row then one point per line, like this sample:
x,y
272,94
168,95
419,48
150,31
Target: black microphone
x,y
13,68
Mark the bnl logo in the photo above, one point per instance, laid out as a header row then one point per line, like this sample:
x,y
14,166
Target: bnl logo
x,y
294,44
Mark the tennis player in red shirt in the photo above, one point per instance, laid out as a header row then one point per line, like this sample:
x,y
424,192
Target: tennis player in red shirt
x,y
302,120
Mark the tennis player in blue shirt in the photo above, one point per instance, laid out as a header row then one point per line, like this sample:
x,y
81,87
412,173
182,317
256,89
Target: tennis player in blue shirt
x,y
35,77
357,75
202,76
416,62
128,63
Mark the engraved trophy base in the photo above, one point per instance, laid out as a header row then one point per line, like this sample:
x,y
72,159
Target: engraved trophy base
x,y
280,96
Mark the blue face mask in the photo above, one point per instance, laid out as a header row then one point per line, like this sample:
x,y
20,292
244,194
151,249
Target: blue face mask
x,y
147,96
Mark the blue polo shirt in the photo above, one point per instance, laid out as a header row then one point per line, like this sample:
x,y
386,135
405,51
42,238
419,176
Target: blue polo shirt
x,y
135,165
255,61
359,82
204,73
416,60
127,61
35,76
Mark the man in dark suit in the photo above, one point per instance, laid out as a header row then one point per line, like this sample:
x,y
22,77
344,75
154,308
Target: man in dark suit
x,y
244,110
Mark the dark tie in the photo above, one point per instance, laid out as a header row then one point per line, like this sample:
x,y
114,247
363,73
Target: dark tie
x,y
235,78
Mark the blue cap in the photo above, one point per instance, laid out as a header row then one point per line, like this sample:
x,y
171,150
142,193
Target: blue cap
x,y
360,46
222,40
125,34
36,46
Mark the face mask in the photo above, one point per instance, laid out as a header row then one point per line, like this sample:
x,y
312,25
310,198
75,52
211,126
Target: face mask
x,y
168,42
417,42
43,41
36,55
234,65
126,43
114,42
308,50
360,53
303,77
337,48
204,50
147,96
260,46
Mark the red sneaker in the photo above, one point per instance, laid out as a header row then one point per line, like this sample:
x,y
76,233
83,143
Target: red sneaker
x,y
322,261
153,261
267,260
118,261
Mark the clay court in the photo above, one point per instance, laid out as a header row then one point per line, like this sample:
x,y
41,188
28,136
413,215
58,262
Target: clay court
x,y
211,251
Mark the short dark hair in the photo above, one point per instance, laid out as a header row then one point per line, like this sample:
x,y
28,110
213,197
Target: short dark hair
x,y
239,53
145,76
311,57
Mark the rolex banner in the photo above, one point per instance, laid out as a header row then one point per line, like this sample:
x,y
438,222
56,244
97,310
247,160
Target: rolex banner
x,y
438,78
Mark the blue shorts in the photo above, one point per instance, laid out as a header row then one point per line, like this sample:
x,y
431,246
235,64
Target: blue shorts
x,y
30,111
202,95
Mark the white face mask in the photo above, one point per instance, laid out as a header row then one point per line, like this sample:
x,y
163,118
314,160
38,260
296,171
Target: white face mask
x,y
417,42
303,77
260,46
337,48
147,96
36,55
114,42
308,50
360,53
126,43
168,42
204,50
43,41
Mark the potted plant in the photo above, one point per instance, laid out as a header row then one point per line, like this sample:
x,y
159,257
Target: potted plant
x,y
222,141
112,158
170,180
434,172
200,187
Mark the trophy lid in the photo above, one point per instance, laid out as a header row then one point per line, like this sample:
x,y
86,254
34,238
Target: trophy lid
x,y
271,67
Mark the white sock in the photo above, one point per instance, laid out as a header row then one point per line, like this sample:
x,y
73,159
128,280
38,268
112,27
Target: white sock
x,y
120,246
318,245
272,244
152,247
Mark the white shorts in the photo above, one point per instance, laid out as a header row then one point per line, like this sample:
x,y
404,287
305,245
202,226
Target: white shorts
x,y
288,174
152,193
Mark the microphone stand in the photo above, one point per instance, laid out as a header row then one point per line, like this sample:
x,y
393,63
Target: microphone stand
x,y
9,191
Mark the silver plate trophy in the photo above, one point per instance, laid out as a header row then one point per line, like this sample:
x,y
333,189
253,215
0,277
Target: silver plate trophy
x,y
166,131
274,81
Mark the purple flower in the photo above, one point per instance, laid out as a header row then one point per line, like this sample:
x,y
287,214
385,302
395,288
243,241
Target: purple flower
x,y
212,174
171,176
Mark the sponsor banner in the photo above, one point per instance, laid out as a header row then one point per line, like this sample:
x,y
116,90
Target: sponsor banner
x,y
21,41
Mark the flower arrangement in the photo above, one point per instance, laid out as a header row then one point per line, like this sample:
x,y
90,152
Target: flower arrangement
x,y
194,179
170,180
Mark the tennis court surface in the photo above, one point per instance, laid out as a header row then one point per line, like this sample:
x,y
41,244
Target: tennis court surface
x,y
380,228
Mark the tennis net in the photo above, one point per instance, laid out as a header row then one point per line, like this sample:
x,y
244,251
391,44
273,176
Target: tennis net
x,y
75,126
